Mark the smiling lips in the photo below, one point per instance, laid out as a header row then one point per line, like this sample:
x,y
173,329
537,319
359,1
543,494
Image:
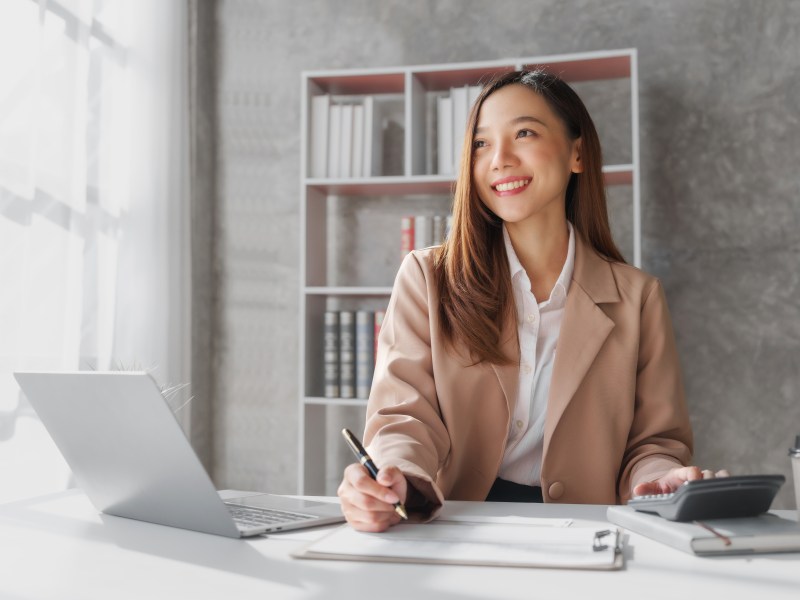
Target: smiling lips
x,y
510,185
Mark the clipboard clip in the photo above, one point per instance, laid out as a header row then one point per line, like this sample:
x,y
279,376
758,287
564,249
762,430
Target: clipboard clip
x,y
597,543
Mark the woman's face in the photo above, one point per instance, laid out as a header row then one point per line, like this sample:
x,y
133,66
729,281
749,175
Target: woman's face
x,y
523,157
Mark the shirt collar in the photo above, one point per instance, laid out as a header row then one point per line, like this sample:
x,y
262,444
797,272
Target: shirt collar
x,y
564,279
514,266
567,270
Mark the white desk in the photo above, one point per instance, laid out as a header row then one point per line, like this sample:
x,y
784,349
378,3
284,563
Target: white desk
x,y
58,546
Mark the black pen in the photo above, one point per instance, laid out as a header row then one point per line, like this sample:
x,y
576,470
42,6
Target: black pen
x,y
365,460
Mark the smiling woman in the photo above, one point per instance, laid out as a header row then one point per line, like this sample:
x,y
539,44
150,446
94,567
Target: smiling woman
x,y
92,203
525,126
523,360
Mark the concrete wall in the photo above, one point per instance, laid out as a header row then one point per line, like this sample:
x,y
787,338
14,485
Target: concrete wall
x,y
719,98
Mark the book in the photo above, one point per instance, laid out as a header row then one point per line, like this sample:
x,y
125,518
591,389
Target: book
x,y
430,134
423,231
460,97
746,535
346,142
373,138
358,140
406,236
367,144
334,140
320,108
379,314
347,354
331,354
439,223
444,135
472,96
365,352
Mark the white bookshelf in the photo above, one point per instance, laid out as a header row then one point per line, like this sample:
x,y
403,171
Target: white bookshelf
x,y
407,91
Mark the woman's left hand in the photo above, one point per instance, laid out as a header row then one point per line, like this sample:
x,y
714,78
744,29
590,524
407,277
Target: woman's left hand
x,y
675,478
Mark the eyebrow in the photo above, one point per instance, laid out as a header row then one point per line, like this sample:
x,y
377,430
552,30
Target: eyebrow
x,y
517,121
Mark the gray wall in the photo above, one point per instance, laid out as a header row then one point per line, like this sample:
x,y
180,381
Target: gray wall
x,y
719,98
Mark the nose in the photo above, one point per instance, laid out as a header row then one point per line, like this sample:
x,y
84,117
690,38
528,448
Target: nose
x,y
503,156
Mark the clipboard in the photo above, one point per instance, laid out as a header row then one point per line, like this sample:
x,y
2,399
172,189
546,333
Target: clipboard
x,y
475,544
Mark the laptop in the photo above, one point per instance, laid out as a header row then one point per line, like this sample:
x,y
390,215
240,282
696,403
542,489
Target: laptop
x,y
130,456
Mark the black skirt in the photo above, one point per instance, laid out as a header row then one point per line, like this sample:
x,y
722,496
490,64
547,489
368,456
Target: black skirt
x,y
508,491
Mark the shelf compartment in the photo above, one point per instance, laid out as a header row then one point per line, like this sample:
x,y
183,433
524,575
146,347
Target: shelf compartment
x,y
320,401
605,67
425,184
439,81
348,291
384,186
345,83
618,175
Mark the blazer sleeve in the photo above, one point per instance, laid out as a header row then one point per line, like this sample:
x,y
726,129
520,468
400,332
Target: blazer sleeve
x,y
661,435
404,425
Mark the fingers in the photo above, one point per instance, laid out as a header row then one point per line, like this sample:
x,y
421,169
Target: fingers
x,y
659,486
391,477
647,489
367,504
675,478
709,474
371,521
693,473
689,474
384,490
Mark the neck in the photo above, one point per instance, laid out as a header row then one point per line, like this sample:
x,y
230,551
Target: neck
x,y
541,247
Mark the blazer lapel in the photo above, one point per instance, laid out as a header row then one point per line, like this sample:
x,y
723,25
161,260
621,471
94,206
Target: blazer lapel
x,y
584,330
508,375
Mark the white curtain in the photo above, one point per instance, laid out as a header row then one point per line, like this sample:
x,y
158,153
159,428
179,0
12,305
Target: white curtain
x,y
94,227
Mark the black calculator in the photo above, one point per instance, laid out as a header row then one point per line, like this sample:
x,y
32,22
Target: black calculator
x,y
719,498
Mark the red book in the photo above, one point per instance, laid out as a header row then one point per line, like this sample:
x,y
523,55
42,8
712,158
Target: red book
x,y
378,322
406,236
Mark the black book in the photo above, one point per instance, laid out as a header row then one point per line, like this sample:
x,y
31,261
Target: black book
x,y
331,358
347,354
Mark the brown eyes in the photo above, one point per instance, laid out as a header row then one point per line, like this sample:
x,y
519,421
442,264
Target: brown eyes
x,y
522,133
526,133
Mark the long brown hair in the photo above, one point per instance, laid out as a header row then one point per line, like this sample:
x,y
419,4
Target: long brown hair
x,y
471,267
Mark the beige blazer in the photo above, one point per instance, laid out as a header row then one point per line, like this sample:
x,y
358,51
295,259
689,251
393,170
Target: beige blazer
x,y
616,413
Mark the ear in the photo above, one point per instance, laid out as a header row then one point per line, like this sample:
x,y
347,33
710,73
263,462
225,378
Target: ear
x,y
577,154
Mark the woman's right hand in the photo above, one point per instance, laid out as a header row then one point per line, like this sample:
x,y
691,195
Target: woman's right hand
x,y
367,504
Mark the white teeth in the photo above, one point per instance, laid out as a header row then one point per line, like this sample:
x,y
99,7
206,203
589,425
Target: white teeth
x,y
506,187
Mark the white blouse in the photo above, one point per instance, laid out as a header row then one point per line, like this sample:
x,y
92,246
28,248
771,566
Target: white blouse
x,y
538,326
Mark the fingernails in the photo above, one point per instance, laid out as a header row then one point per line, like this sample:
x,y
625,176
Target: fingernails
x,y
391,498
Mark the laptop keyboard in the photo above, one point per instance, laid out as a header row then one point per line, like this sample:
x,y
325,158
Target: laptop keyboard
x,y
249,516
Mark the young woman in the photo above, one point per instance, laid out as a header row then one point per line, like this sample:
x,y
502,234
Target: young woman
x,y
523,360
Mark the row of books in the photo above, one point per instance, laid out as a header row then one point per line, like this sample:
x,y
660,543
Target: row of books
x,y
351,343
421,231
452,113
346,138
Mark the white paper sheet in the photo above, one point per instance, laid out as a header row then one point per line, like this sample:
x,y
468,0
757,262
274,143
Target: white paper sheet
x,y
471,543
507,520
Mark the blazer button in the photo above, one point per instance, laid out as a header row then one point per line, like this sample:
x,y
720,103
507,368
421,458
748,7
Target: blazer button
x,y
556,490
